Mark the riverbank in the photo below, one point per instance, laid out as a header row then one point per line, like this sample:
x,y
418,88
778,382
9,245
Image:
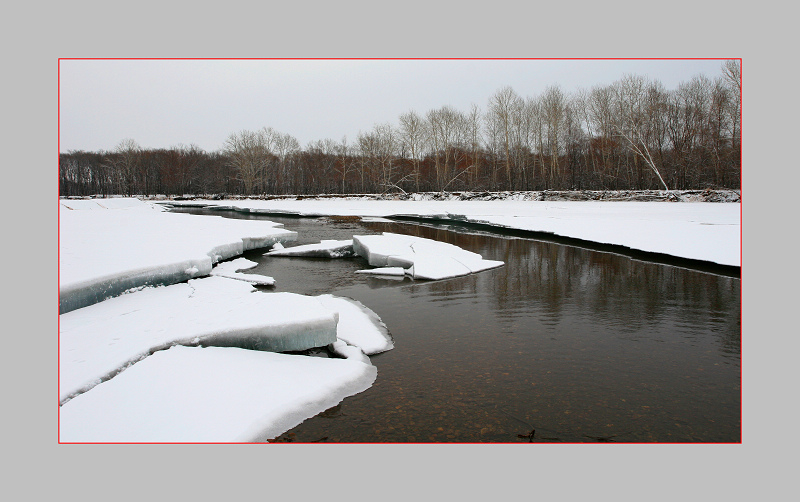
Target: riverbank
x,y
706,195
692,228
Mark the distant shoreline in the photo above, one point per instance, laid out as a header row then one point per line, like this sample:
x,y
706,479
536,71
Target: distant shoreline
x,y
706,195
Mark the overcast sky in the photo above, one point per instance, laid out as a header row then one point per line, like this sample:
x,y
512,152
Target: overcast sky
x,y
165,103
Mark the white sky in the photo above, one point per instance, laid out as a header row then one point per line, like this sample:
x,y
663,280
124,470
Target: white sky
x,y
164,103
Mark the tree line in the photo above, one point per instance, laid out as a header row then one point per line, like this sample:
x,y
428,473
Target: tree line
x,y
630,135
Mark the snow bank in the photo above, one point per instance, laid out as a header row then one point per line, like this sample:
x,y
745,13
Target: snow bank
x,y
213,394
707,231
99,341
323,249
230,269
421,258
108,246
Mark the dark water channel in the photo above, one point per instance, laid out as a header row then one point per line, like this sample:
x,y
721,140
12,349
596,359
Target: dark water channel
x,y
581,346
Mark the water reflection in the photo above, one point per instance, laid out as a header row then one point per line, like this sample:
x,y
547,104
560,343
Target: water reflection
x,y
576,344
555,281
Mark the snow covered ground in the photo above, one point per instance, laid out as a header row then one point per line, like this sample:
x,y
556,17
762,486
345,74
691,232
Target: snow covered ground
x,y
156,344
707,231
143,361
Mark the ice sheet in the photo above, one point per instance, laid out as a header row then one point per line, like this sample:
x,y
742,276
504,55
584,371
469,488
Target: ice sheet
x,y
230,270
384,271
213,394
99,341
421,258
358,325
108,246
323,249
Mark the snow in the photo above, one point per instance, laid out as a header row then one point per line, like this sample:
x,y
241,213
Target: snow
x,y
323,249
212,394
107,246
421,258
707,231
230,269
141,360
99,341
415,256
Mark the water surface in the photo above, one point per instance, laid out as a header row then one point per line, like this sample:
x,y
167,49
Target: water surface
x,y
582,346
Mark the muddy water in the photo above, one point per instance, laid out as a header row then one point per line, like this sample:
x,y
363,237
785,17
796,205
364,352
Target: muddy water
x,y
579,345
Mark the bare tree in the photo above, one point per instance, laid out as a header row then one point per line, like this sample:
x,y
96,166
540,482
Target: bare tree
x,y
414,135
553,104
473,136
284,146
576,139
632,119
601,115
317,168
732,72
344,164
124,164
387,143
580,107
494,141
369,152
501,109
526,129
247,153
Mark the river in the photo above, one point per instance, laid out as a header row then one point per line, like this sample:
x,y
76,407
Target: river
x,y
574,344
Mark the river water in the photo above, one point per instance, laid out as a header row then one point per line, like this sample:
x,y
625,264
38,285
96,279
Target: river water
x,y
578,345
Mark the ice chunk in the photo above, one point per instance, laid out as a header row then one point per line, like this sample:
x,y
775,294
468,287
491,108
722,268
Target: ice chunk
x,y
348,351
99,341
213,394
324,249
230,269
358,325
386,271
421,258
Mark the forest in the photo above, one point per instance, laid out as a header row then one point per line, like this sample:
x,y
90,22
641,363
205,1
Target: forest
x,y
633,134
